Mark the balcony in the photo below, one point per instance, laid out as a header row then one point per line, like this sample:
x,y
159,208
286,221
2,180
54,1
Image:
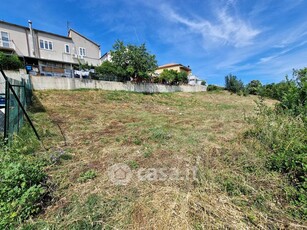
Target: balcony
x,y
7,45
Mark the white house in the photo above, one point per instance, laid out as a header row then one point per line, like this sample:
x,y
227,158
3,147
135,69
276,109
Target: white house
x,y
194,80
46,53
106,57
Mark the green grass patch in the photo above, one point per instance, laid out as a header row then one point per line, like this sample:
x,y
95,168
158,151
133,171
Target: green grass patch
x,y
23,187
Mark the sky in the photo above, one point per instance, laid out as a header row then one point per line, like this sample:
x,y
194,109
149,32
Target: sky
x,y
260,39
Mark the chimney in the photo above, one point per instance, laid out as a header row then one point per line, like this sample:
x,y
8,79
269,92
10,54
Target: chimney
x,y
31,40
30,24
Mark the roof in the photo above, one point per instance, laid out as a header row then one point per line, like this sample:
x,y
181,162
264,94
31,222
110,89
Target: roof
x,y
40,31
83,37
173,65
106,54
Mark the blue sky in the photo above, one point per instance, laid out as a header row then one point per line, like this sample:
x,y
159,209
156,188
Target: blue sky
x,y
261,39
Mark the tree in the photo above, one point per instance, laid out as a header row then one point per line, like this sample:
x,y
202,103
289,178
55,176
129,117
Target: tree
x,y
168,76
301,73
233,84
133,61
106,68
108,71
203,82
182,77
294,99
10,62
173,77
292,93
254,87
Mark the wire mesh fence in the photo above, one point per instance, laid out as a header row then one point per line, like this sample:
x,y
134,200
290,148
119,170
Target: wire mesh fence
x,y
11,111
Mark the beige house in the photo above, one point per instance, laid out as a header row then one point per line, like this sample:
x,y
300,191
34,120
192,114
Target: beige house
x,y
174,66
47,53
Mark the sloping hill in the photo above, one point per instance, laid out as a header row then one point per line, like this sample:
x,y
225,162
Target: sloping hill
x,y
190,165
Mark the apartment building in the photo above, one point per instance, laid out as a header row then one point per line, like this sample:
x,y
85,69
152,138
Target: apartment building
x,y
46,53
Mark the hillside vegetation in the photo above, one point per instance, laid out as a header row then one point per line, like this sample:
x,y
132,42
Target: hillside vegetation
x,y
86,132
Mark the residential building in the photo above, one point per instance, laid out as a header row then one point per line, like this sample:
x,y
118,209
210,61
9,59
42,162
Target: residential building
x,y
194,80
106,57
174,66
46,53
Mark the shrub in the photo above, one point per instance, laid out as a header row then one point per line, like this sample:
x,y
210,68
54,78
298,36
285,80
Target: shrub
x,y
292,93
168,76
254,87
294,99
107,71
182,77
284,137
172,77
283,132
21,182
10,62
215,88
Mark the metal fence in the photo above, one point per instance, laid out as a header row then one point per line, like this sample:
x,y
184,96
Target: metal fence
x,y
15,98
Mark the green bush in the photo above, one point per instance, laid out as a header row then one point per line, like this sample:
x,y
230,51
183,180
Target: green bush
x,y
107,71
294,100
274,90
282,130
21,182
215,88
10,62
292,94
254,87
172,77
284,136
203,82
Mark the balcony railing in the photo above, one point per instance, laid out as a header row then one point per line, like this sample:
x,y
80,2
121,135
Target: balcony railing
x,y
7,44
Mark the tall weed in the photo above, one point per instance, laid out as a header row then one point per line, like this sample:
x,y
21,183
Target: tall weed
x,y
21,181
285,138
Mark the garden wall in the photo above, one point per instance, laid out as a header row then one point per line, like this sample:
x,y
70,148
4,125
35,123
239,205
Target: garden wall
x,y
51,83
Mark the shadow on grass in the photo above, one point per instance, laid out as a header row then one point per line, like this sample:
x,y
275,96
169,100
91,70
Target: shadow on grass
x,y
36,105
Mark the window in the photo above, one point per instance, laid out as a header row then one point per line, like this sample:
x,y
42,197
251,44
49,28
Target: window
x,y
50,45
47,45
41,44
67,49
82,51
5,39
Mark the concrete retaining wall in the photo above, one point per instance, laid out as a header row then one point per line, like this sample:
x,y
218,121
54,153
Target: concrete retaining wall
x,y
45,83
17,75
12,74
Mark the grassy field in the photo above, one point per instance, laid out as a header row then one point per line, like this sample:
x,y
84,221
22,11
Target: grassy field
x,y
223,180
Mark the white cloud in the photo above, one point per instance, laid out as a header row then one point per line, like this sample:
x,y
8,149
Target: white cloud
x,y
224,29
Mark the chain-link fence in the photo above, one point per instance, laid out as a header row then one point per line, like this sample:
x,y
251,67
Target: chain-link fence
x,y
13,102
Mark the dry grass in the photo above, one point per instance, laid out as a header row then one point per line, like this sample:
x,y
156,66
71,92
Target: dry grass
x,y
233,189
